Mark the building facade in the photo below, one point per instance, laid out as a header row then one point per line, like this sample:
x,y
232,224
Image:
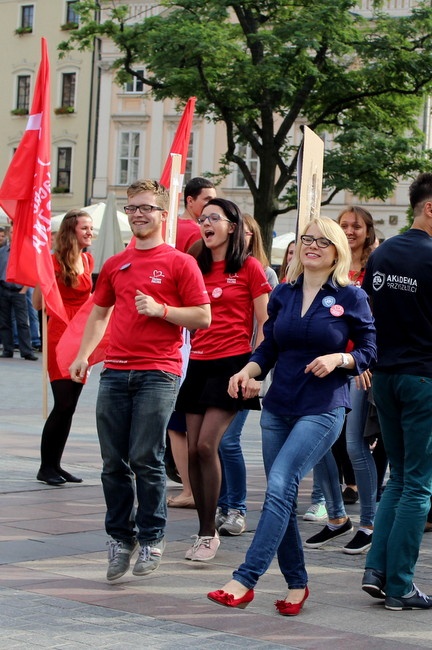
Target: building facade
x,y
106,135
73,94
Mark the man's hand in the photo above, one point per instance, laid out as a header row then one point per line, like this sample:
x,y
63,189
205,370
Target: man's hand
x,y
147,306
78,370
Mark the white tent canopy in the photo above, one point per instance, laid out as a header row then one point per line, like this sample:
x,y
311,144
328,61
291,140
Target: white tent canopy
x,y
4,219
279,246
96,211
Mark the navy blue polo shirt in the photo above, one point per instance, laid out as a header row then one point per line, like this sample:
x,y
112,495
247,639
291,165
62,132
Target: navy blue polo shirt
x,y
336,315
399,281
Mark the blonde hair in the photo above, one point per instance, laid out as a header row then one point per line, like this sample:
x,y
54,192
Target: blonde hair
x,y
147,185
256,246
334,232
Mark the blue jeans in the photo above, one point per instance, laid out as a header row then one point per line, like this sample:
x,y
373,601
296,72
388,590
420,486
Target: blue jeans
x,y
317,495
132,412
326,475
291,448
405,414
233,486
360,455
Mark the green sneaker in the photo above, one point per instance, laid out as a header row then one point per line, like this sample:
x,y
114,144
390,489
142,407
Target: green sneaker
x,y
149,558
316,512
119,557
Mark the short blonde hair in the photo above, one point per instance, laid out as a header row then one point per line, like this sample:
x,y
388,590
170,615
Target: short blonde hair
x,y
334,232
148,185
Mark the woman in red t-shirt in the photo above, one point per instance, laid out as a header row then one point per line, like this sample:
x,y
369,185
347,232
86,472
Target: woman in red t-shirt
x,y
238,290
73,269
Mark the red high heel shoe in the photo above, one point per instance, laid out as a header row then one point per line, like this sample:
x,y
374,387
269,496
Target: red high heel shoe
x,y
223,598
291,609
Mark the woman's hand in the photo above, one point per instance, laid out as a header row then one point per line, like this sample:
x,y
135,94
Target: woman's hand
x,y
245,382
364,381
323,366
239,381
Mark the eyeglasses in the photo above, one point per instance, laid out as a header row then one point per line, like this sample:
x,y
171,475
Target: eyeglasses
x,y
143,209
212,218
321,242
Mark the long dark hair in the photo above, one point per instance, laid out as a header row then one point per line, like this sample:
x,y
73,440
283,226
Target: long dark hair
x,y
364,214
237,249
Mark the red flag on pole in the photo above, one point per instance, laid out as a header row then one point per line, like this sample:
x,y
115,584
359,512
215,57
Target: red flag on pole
x,y
181,141
180,146
25,196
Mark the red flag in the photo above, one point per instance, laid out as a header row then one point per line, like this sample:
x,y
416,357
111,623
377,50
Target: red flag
x,y
180,145
25,196
181,141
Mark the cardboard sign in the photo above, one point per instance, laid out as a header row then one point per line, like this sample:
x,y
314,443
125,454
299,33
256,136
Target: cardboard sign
x,y
309,178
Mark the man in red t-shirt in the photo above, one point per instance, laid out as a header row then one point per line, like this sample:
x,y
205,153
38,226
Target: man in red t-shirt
x,y
197,193
152,291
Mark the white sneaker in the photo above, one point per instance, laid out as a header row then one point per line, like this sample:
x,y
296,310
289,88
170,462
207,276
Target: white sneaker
x,y
316,512
234,524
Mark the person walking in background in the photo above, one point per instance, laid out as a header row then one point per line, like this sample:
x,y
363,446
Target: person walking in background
x,y
231,510
311,319
357,224
238,289
286,261
13,301
198,191
73,271
152,291
402,391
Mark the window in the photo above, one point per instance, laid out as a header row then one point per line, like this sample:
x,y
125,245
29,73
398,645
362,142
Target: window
x,y
249,156
189,160
135,85
64,166
129,146
23,92
27,17
71,14
68,89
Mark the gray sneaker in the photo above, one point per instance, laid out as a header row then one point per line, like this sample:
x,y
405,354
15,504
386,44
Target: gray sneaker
x,y
149,558
234,524
119,557
219,518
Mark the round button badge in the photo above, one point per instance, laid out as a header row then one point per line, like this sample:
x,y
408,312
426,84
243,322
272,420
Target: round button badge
x,y
337,310
328,301
216,293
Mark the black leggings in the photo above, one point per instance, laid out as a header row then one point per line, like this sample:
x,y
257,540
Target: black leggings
x,y
56,430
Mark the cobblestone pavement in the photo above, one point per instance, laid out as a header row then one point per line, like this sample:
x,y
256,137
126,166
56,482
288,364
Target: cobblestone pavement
x,y
53,592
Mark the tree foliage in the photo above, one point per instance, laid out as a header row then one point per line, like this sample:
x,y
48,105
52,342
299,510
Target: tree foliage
x,y
261,66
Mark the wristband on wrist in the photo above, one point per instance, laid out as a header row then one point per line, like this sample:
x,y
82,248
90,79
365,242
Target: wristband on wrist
x,y
344,360
165,311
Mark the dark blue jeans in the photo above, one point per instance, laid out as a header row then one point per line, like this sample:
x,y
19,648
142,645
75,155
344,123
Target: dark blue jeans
x,y
233,487
132,413
13,302
404,409
291,448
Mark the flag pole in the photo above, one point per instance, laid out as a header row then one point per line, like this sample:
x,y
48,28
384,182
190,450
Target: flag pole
x,y
44,361
174,192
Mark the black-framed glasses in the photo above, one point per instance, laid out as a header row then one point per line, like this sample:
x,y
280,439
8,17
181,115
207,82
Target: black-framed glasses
x,y
212,218
321,242
146,208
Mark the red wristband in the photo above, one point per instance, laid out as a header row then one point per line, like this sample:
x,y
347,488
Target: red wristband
x,y
165,311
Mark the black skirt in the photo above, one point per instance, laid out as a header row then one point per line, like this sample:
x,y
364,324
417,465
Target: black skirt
x,y
206,385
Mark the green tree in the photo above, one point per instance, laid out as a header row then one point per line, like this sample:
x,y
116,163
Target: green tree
x,y
263,66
